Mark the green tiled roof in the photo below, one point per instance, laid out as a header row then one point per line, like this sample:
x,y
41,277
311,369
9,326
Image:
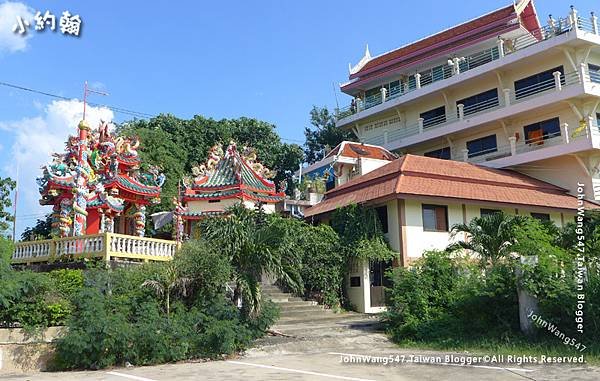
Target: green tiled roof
x,y
224,175
215,194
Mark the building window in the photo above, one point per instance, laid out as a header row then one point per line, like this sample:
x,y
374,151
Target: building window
x,y
383,217
482,146
442,153
594,72
433,117
435,218
536,133
488,212
541,216
213,201
537,83
479,102
354,281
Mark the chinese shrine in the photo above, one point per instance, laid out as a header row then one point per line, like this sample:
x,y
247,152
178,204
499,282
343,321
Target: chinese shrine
x,y
96,185
227,178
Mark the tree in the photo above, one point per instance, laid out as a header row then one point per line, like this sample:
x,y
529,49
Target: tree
x,y
178,144
166,282
491,237
7,185
323,134
41,230
253,247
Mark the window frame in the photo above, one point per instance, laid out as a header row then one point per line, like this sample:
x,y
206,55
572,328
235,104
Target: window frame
x,y
441,152
481,97
435,208
545,76
432,117
482,152
542,126
487,211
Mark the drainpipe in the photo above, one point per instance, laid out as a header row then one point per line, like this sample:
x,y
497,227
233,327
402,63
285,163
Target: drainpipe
x,y
421,120
418,80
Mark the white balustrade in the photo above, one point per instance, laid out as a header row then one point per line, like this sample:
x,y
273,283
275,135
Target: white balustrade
x,y
104,245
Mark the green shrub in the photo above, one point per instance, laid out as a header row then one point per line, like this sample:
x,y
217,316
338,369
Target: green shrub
x,y
322,265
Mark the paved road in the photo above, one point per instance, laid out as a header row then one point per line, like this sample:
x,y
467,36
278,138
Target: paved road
x,y
322,352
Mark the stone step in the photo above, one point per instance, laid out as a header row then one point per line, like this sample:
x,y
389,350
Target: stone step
x,y
284,307
308,325
303,314
283,300
277,295
302,303
312,317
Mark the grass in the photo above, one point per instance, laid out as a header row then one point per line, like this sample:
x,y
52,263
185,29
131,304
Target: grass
x,y
517,346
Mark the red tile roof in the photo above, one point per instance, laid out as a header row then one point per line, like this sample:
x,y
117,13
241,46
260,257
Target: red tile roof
x,y
428,177
356,150
487,26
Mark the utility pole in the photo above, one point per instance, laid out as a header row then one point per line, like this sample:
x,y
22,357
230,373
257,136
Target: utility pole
x,y
14,233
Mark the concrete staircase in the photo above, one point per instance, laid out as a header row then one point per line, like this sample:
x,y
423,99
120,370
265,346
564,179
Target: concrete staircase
x,y
304,318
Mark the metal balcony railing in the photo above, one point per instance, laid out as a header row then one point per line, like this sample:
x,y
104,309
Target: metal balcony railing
x,y
397,132
507,47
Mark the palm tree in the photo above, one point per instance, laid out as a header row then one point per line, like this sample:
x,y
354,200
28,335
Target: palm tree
x,y
253,247
166,282
491,236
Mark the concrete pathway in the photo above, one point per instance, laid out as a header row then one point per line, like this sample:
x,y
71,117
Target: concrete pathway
x,y
327,346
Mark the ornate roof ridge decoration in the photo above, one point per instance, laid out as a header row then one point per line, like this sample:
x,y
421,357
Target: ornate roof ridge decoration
x,y
227,171
104,171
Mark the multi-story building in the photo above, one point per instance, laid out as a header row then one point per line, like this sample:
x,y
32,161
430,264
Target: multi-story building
x,y
512,107
499,90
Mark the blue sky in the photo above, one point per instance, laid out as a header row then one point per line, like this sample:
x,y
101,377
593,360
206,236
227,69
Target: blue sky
x,y
271,60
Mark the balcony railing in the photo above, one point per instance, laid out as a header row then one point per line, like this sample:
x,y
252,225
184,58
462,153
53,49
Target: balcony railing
x,y
422,79
106,246
397,132
512,147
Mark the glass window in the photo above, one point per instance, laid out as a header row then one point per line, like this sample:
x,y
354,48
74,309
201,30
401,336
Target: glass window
x,y
541,216
486,212
435,218
482,146
594,72
442,153
479,102
536,133
383,217
433,117
537,82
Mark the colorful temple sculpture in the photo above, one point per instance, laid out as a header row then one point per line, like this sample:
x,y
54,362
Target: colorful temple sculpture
x,y
96,185
227,178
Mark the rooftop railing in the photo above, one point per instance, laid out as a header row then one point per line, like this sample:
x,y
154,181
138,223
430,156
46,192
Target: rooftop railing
x,y
397,132
555,27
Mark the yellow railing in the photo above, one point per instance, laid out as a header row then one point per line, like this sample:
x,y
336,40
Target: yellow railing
x,y
106,245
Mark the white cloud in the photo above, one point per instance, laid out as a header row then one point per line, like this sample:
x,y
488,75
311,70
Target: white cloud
x,y
34,140
9,41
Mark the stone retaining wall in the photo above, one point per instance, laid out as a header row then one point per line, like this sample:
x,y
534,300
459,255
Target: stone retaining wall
x,y
21,352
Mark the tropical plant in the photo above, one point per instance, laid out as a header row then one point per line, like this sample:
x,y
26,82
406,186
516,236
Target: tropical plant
x,y
167,281
323,134
491,236
253,248
7,185
361,234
